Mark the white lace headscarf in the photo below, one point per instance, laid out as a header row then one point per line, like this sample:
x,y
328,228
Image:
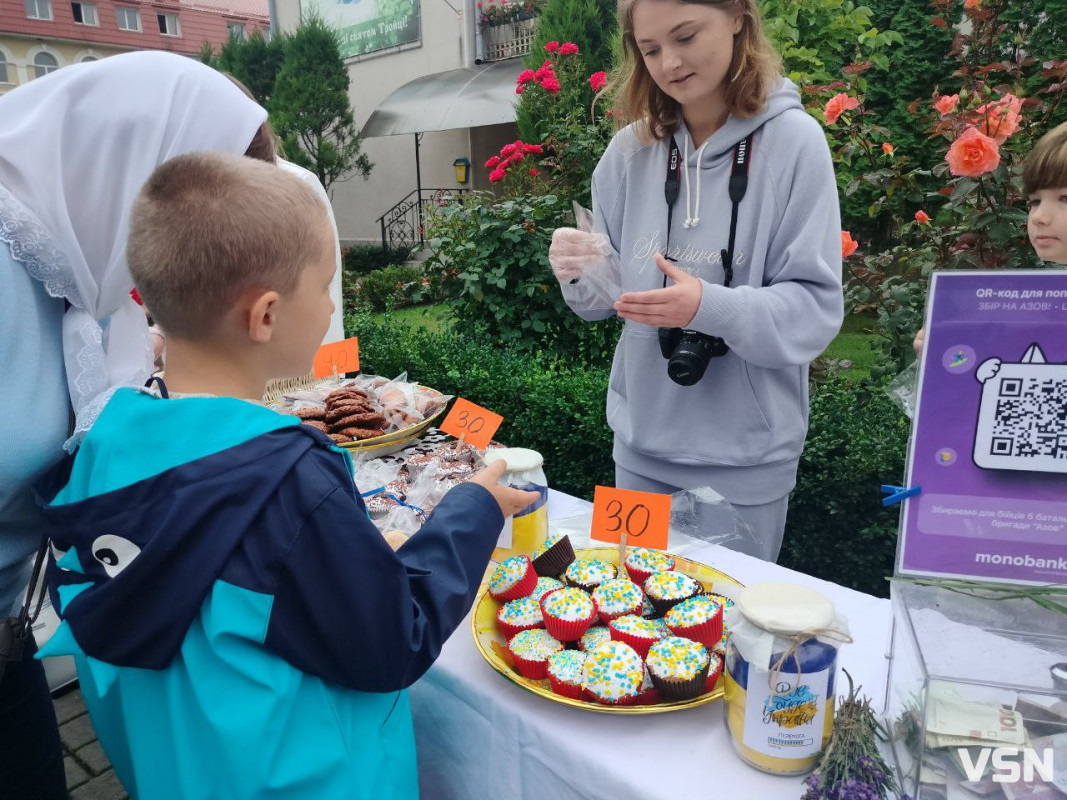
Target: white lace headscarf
x,y
75,148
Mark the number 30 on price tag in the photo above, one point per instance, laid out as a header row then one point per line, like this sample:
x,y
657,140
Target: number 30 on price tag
x,y
475,424
344,355
643,516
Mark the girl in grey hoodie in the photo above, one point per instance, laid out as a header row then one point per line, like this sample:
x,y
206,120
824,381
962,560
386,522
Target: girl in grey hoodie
x,y
700,78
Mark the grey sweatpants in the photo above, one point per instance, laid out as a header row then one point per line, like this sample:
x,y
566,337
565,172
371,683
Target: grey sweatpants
x,y
766,521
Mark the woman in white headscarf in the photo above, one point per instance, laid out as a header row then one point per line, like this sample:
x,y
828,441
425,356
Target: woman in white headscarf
x,y
75,148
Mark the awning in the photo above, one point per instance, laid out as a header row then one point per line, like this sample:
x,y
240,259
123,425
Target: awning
x,y
460,98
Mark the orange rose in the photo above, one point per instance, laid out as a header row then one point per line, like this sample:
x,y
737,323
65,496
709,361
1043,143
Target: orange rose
x,y
973,154
946,103
848,244
1001,117
837,105
887,148
922,217
972,5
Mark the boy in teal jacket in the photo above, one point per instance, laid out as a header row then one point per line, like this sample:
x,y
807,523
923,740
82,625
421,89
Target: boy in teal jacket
x,y
241,628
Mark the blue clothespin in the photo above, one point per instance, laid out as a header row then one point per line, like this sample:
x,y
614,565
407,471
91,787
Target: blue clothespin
x,y
898,493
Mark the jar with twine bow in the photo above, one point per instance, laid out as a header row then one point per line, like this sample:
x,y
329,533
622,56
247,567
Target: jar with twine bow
x,y
781,664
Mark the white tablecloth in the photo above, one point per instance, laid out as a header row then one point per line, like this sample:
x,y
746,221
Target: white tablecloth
x,y
482,737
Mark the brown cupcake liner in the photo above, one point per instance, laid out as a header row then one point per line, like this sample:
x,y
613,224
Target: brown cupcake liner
x,y
663,606
554,561
674,689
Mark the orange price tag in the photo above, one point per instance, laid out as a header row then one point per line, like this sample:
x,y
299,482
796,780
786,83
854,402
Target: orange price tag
x,y
471,421
344,355
643,516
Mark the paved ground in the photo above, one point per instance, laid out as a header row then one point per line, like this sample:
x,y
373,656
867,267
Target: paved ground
x,y
89,775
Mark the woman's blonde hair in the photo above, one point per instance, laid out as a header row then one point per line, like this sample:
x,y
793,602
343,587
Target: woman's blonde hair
x,y
1046,166
754,70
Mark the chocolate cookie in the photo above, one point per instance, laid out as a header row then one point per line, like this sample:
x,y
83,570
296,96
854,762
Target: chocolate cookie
x,y
309,413
317,424
342,410
362,420
361,433
340,438
346,394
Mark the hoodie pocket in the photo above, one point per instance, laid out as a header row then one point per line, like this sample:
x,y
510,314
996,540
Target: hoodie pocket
x,y
718,421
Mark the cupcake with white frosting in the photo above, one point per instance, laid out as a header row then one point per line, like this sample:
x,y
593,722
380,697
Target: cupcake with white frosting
x,y
638,632
678,668
565,670
589,573
544,586
641,563
699,618
617,598
568,613
594,636
519,615
613,674
512,579
667,589
530,651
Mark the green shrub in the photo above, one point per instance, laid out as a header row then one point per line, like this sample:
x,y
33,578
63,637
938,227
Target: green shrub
x,y
390,287
360,259
837,528
491,263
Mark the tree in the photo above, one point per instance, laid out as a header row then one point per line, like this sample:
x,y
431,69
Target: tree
x,y
310,110
255,62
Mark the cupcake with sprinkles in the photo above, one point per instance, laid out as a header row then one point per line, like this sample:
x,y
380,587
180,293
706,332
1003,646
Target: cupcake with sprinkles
x,y
613,674
589,573
699,618
594,636
646,608
553,557
667,589
678,668
565,670
568,613
648,694
514,578
544,586
519,615
638,632
530,650
714,671
726,604
641,563
617,598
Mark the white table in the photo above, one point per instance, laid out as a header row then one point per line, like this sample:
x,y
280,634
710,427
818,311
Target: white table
x,y
482,737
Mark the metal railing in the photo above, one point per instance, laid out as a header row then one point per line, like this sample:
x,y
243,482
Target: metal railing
x,y
509,40
404,225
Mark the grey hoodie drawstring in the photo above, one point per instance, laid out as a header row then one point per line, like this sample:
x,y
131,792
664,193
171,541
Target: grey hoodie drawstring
x,y
692,217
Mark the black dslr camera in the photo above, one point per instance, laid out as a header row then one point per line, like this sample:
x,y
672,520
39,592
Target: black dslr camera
x,y
688,353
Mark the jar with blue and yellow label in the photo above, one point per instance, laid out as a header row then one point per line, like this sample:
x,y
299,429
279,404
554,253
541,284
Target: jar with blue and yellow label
x,y
527,530
781,665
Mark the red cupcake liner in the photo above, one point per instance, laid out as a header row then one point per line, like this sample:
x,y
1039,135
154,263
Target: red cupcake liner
x,y
639,576
641,644
708,633
510,630
713,675
564,689
622,701
534,670
566,630
648,697
605,617
521,588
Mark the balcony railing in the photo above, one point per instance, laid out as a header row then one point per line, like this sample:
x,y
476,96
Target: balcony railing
x,y
509,40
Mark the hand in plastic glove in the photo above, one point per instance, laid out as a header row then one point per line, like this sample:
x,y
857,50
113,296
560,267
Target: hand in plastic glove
x,y
510,500
670,307
572,251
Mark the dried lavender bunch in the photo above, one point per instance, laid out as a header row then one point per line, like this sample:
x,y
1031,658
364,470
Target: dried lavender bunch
x,y
851,768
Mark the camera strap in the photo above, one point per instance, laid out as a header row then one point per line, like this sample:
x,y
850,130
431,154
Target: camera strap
x,y
738,187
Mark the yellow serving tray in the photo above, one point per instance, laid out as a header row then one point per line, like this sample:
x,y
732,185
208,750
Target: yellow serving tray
x,y
494,648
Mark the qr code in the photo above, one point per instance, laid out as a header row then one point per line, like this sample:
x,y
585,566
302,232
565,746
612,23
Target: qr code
x,y
1022,420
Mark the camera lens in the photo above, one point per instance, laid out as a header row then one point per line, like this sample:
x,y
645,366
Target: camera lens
x,y
690,359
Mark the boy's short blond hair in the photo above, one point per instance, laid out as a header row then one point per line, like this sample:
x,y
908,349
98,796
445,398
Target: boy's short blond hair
x,y
1046,166
207,227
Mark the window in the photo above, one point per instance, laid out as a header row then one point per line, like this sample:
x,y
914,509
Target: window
x,y
87,59
85,14
43,63
237,30
168,24
4,77
39,9
129,18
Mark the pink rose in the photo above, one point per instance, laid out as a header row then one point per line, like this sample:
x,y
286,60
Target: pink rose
x,y
497,175
973,154
837,105
597,80
551,47
568,49
946,104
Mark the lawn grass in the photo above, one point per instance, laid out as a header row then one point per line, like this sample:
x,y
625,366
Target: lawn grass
x,y
851,344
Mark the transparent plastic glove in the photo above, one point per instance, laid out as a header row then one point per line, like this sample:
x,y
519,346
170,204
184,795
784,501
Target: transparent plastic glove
x,y
586,254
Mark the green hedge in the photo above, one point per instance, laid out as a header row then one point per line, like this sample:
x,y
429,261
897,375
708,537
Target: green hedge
x,y
390,287
363,258
837,527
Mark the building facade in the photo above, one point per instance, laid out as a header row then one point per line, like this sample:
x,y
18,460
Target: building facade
x,y
40,36
443,36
